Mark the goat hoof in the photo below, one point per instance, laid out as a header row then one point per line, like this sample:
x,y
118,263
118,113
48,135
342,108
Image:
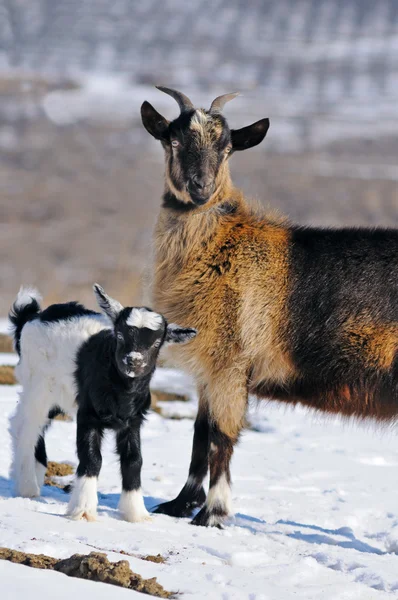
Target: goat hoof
x,y
82,514
138,518
175,509
206,519
181,507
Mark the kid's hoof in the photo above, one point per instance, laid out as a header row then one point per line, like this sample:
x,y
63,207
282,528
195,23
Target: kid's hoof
x,y
76,515
136,518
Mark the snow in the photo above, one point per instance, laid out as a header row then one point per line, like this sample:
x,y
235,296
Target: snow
x,y
315,503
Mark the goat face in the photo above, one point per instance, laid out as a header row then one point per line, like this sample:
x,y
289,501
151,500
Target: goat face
x,y
197,145
139,333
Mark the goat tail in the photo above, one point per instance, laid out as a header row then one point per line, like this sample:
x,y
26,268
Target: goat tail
x,y
24,309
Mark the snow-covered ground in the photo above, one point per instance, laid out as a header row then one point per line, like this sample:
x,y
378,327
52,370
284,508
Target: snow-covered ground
x,y
315,501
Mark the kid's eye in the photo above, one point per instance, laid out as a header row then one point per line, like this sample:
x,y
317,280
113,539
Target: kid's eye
x,y
175,143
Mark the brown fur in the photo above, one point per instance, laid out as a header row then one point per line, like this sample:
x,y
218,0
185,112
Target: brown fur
x,y
263,302
226,275
376,343
360,402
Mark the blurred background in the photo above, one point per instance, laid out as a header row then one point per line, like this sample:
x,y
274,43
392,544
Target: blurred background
x,y
81,180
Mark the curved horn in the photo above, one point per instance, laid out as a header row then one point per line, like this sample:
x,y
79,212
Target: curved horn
x,y
183,101
218,104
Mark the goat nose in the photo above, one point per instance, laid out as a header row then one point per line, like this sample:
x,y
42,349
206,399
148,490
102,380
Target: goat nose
x,y
200,183
197,183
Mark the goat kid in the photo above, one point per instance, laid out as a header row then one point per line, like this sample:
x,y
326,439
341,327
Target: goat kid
x,y
71,358
295,314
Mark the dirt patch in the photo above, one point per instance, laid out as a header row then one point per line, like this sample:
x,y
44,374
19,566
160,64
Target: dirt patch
x,y
5,343
55,469
37,561
155,559
94,566
160,396
7,375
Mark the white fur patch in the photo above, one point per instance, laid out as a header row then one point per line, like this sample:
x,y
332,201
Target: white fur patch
x,y
220,496
83,500
46,368
199,118
136,355
40,473
141,317
132,507
26,295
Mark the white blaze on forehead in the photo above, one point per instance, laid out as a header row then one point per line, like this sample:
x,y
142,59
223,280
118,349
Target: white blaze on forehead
x,y
135,355
141,317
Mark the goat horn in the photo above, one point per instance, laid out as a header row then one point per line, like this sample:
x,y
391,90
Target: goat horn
x,y
218,104
183,101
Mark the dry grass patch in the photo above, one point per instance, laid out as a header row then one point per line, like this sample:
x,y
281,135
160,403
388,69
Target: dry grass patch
x,y
55,469
5,343
7,375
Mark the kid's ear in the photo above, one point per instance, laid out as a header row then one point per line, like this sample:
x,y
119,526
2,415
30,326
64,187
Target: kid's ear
x,y
179,335
111,307
249,136
154,123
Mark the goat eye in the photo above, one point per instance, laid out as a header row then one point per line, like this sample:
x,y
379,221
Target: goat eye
x,y
120,337
175,143
228,149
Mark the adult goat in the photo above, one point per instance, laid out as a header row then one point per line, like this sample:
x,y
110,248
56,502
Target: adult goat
x,y
296,314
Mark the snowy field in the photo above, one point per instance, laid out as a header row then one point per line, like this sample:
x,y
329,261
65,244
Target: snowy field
x,y
315,501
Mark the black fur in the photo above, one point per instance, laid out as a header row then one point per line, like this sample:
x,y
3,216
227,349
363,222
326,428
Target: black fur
x,y
19,316
67,310
346,272
40,451
109,399
192,494
170,201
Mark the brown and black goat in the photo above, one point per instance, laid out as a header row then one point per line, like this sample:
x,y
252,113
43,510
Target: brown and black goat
x,y
295,314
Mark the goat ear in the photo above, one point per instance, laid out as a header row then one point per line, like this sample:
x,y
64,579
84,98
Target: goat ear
x,y
153,122
111,307
249,136
179,335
